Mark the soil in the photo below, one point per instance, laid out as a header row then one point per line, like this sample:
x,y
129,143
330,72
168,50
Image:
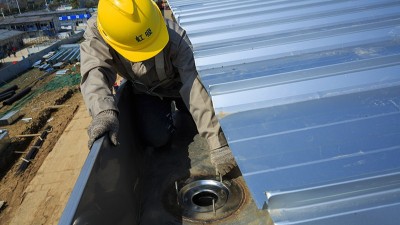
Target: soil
x,y
49,111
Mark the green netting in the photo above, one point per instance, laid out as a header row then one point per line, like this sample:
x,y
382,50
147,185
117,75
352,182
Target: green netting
x,y
62,81
57,82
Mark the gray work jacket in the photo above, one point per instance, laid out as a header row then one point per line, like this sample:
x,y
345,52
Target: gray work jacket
x,y
100,65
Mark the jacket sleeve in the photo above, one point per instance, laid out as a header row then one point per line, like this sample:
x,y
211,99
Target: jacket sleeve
x,y
97,71
194,94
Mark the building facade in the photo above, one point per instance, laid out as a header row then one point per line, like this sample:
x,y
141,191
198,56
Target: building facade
x,y
46,23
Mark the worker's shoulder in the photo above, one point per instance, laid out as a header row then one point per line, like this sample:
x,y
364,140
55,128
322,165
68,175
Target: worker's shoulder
x,y
91,30
176,32
92,21
174,28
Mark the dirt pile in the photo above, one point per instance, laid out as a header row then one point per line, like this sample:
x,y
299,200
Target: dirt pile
x,y
51,103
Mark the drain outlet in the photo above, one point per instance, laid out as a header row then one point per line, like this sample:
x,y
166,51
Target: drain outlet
x,y
205,200
203,196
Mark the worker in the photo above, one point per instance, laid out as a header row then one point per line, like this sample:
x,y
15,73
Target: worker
x,y
132,39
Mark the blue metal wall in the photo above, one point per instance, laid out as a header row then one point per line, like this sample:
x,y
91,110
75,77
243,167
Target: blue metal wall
x,y
308,95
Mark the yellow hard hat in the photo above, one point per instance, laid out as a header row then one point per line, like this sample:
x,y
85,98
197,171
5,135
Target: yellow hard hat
x,y
134,28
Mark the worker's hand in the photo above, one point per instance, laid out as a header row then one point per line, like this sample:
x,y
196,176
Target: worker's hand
x,y
105,121
223,159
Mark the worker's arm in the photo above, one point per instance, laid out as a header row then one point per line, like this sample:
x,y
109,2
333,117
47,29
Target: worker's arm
x,y
193,92
98,74
199,102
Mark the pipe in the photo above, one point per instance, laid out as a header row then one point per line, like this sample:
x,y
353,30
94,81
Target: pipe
x,y
14,87
18,96
7,95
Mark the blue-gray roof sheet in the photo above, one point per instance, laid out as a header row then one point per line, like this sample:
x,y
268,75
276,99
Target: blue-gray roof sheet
x,y
308,95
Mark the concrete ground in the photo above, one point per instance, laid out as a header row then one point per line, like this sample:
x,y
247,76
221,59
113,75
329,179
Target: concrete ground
x,y
47,194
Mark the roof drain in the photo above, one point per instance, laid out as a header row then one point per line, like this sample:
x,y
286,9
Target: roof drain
x,y
203,196
206,200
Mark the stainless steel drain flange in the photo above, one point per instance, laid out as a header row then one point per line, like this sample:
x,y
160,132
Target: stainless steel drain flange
x,y
203,196
205,200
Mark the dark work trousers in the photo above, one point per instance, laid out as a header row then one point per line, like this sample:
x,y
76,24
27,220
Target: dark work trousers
x,y
154,118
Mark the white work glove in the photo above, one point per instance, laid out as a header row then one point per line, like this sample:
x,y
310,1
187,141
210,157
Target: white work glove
x,y
223,159
105,121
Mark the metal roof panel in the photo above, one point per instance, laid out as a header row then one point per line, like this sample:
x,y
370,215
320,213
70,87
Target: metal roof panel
x,y
308,95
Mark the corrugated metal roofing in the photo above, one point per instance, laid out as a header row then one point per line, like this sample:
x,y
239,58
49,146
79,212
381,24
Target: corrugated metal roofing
x,y
308,95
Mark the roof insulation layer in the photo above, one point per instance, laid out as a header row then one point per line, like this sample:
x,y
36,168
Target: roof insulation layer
x,y
308,95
